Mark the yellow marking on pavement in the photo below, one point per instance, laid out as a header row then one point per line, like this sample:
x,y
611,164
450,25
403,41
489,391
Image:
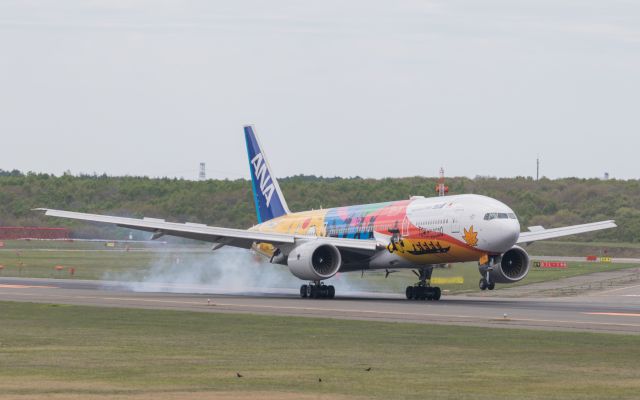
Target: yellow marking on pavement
x,y
453,280
7,286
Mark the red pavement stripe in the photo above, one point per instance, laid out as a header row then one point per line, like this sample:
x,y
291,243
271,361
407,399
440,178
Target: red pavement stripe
x,y
614,314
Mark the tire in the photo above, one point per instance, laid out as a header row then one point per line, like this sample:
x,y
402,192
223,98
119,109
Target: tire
x,y
409,292
313,292
422,293
332,292
491,286
303,291
437,293
483,284
429,293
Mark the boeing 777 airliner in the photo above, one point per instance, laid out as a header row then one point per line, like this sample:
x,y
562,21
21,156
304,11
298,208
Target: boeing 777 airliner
x,y
419,233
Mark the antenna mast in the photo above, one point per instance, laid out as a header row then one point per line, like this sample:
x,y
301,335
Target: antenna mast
x,y
440,187
203,174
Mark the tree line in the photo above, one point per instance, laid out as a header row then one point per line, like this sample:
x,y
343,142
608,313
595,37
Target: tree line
x,y
230,202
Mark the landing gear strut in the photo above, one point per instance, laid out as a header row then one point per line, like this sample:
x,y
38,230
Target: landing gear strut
x,y
317,290
485,283
423,290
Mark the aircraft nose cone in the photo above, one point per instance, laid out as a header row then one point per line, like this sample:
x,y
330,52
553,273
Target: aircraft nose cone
x,y
507,236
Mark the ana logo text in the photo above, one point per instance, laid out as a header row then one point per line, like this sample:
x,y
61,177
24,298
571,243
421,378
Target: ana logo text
x,y
262,176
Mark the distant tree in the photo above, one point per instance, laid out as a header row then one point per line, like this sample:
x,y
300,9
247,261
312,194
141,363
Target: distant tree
x,y
230,202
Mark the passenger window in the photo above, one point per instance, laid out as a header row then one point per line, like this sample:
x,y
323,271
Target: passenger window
x,y
502,216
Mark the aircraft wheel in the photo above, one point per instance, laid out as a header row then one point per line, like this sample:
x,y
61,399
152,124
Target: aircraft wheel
x,y
428,293
303,291
437,293
331,292
409,292
491,286
483,284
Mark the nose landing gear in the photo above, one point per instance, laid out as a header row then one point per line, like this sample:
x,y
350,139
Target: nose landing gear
x,y
423,290
317,290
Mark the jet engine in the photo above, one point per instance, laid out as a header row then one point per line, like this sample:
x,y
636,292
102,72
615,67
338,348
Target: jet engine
x,y
314,261
511,267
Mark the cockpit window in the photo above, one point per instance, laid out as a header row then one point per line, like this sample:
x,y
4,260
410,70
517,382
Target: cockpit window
x,y
490,216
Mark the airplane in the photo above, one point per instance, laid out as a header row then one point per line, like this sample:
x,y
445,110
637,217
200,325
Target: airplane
x,y
418,233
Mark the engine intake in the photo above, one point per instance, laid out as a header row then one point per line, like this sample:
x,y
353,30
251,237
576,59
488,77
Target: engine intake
x,y
314,261
512,267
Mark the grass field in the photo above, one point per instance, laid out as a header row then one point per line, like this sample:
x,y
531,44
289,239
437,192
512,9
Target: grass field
x,y
93,352
563,248
95,261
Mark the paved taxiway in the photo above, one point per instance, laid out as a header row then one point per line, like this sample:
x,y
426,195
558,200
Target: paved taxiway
x,y
616,310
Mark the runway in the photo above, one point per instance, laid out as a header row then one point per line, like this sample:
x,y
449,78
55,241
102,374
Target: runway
x,y
616,310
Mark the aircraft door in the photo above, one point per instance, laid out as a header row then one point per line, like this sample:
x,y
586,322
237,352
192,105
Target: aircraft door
x,y
455,223
455,220
405,227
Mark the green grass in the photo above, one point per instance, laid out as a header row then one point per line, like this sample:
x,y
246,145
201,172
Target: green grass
x,y
580,249
123,351
91,260
95,261
469,271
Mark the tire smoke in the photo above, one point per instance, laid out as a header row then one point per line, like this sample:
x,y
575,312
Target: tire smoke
x,y
226,271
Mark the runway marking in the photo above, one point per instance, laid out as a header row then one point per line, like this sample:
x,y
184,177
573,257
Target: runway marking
x,y
512,321
615,290
7,286
614,314
346,310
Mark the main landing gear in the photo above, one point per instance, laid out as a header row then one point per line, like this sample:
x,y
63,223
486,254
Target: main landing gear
x,y
485,283
317,290
423,293
422,290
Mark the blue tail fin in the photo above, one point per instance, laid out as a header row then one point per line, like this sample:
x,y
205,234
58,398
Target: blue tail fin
x,y
267,195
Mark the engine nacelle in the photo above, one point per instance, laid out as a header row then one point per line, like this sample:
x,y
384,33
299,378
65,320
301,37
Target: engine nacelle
x,y
511,267
314,261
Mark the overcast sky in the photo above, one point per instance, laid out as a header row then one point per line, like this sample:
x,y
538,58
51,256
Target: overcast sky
x,y
334,88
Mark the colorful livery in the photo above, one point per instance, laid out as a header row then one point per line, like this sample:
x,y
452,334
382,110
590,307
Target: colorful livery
x,y
419,233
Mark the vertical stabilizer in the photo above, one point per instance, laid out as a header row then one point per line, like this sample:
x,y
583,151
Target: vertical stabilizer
x,y
270,202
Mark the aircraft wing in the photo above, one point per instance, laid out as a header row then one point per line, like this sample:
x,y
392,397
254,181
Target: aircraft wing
x,y
222,236
539,233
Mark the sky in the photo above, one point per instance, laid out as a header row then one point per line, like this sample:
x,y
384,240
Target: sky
x,y
334,88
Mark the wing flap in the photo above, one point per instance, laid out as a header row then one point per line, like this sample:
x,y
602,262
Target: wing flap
x,y
207,233
539,233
